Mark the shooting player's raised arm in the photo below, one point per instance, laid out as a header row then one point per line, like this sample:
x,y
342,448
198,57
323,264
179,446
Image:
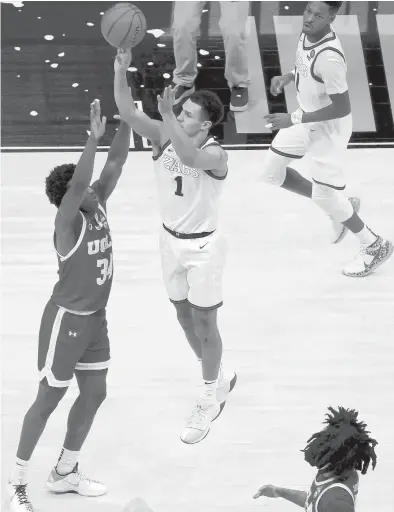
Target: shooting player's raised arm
x,y
139,121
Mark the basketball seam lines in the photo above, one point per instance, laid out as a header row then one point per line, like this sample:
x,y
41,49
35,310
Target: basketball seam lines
x,y
130,28
116,21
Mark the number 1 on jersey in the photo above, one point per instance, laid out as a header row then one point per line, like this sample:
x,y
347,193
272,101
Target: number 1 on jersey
x,y
178,191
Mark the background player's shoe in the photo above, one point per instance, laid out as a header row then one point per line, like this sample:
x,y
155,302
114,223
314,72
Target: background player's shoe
x,y
199,424
339,229
75,482
19,499
227,381
369,258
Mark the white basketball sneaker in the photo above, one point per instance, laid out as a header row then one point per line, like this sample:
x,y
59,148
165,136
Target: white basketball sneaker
x,y
199,424
339,230
74,482
19,499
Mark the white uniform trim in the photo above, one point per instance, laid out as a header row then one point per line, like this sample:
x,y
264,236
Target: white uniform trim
x,y
331,487
47,370
103,365
79,241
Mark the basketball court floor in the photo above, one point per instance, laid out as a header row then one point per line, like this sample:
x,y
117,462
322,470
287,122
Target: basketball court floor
x,y
300,335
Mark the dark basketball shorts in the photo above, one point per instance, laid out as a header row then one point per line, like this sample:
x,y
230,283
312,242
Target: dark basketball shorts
x,y
69,342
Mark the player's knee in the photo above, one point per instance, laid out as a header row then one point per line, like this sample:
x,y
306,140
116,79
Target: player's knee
x,y
93,391
48,399
204,324
274,168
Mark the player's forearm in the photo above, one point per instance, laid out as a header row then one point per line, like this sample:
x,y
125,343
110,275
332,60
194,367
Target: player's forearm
x,y
182,144
119,149
296,497
84,168
325,114
123,98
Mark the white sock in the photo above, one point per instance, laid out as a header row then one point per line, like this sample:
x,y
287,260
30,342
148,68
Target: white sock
x,y
210,387
67,461
366,237
19,474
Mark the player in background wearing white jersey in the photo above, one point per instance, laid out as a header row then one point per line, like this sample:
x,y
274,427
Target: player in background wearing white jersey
x,y
338,451
190,168
320,131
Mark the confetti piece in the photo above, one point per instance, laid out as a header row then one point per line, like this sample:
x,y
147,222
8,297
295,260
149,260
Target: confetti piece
x,y
63,35
160,45
47,61
86,90
89,24
150,63
205,10
166,75
33,113
217,57
131,69
60,54
17,48
142,86
18,76
54,65
88,132
101,13
67,118
49,38
286,7
199,65
38,17
75,85
17,4
157,32
204,52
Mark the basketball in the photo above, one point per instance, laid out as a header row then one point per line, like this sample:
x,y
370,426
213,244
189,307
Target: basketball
x,y
123,26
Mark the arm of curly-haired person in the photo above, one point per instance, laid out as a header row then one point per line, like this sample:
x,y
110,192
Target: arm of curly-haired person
x,y
117,156
77,194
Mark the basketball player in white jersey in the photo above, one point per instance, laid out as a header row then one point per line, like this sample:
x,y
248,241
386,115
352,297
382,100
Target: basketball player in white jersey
x,y
319,131
338,451
190,168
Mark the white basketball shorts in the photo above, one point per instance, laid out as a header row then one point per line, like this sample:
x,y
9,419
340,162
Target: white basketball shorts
x,y
193,269
321,145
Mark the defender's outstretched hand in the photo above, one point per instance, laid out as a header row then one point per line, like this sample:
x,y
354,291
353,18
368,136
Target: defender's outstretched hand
x,y
122,60
166,101
269,491
97,125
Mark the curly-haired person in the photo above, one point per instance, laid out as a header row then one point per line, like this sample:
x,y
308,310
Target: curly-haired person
x,y
338,451
73,336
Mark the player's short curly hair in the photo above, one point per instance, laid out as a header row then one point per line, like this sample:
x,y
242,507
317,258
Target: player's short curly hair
x,y
56,182
343,445
334,6
211,105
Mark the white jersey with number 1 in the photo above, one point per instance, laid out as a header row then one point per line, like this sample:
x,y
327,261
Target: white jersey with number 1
x,y
320,70
188,197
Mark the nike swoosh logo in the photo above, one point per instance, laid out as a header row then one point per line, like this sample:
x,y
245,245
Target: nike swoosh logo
x,y
202,246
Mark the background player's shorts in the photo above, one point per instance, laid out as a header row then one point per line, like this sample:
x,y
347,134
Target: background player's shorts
x,y
193,269
323,146
69,342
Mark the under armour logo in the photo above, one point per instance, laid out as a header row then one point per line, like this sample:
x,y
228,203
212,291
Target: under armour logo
x,y
71,333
